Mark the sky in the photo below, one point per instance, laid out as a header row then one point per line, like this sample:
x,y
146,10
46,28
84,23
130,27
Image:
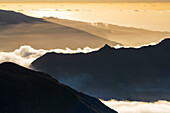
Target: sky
x,y
96,1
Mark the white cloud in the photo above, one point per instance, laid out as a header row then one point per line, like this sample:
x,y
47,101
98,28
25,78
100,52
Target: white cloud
x,y
26,54
139,107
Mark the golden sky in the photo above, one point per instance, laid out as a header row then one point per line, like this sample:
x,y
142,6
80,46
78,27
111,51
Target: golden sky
x,y
21,1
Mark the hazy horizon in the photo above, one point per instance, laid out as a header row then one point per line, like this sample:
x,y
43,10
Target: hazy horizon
x,y
151,16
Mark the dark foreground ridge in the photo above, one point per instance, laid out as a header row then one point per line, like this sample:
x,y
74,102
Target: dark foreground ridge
x,y
127,73
27,91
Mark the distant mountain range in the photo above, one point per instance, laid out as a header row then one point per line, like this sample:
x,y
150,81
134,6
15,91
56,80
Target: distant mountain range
x,y
11,17
128,36
126,73
18,30
28,91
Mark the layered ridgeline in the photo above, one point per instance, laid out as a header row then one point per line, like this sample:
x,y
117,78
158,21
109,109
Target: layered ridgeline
x,y
127,36
28,91
11,17
17,30
125,73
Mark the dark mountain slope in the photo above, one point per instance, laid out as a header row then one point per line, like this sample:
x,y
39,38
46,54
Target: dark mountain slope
x,y
11,17
27,91
126,73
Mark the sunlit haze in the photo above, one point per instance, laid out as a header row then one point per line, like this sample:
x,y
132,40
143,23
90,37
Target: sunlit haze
x,y
152,16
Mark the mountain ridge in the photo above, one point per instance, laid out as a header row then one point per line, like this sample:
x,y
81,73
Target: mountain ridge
x,y
36,32
11,17
127,36
133,73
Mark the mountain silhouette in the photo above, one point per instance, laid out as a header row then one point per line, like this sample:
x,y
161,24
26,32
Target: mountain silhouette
x,y
18,30
126,73
27,91
11,17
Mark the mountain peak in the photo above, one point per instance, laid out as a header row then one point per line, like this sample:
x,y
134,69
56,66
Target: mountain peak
x,y
10,64
106,47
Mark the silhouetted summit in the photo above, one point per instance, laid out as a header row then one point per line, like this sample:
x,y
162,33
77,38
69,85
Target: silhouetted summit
x,y
11,17
27,91
125,73
106,47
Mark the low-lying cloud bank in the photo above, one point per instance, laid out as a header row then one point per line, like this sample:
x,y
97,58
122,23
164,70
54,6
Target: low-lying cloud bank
x,y
139,107
26,54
